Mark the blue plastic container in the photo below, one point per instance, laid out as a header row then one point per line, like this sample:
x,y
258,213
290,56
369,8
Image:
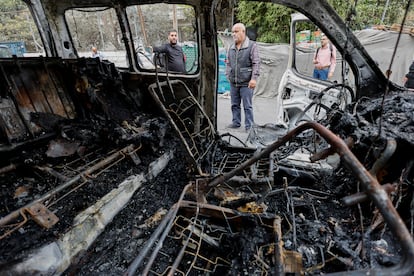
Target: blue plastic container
x,y
17,48
223,83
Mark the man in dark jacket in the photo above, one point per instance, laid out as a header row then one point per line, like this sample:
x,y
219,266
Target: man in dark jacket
x,y
174,52
242,71
409,77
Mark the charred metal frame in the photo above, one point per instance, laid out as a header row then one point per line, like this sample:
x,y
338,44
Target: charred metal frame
x,y
199,102
178,104
377,193
73,183
373,189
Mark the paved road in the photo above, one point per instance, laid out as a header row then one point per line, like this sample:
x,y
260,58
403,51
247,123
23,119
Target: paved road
x,y
264,113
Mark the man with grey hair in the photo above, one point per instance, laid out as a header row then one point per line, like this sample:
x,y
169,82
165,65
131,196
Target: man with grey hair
x,y
242,71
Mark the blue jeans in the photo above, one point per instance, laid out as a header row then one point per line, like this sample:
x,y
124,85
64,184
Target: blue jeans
x,y
321,74
239,94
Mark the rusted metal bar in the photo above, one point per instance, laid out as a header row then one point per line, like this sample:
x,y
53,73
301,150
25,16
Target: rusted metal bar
x,y
279,262
8,168
147,258
370,184
52,172
290,206
259,155
363,196
20,224
158,236
384,158
42,215
180,255
15,214
329,151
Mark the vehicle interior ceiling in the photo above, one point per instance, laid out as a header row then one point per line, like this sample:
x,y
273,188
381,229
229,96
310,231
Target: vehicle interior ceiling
x,y
64,105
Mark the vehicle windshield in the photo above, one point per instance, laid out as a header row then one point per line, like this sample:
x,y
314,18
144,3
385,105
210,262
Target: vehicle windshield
x,y
150,25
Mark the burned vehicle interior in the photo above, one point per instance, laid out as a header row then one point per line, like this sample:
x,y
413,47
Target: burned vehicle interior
x,y
116,166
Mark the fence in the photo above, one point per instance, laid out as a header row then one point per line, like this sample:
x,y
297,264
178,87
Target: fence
x,y
191,53
17,48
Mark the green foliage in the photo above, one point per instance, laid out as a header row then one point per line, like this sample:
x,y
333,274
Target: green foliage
x,y
11,5
272,20
371,12
272,25
16,23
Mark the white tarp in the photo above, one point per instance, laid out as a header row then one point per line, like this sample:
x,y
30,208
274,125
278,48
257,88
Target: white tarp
x,y
379,44
273,63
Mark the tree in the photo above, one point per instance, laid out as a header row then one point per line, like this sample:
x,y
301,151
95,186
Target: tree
x,y
274,20
16,24
371,12
272,25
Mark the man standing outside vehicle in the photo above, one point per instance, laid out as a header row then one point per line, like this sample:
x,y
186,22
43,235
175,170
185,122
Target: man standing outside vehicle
x,y
96,53
174,52
242,71
324,60
408,79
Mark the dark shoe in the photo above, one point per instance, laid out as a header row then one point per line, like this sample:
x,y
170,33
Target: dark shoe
x,y
233,126
248,129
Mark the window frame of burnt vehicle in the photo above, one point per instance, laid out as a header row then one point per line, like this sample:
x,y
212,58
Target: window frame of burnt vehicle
x,y
143,37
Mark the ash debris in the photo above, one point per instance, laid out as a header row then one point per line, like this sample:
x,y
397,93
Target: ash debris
x,y
276,215
76,162
327,222
118,245
388,118
93,140
383,132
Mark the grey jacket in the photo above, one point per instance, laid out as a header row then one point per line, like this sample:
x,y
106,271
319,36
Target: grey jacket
x,y
243,64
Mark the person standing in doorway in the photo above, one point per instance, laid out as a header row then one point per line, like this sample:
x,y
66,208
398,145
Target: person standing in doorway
x,y
175,55
242,71
324,60
408,79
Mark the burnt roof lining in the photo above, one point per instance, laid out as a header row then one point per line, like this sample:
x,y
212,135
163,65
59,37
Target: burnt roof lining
x,y
370,80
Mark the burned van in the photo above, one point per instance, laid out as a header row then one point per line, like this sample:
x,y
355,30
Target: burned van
x,y
113,164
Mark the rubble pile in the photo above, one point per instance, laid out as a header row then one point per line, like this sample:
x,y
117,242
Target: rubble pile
x,y
383,135
71,173
98,159
115,191
261,216
298,220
